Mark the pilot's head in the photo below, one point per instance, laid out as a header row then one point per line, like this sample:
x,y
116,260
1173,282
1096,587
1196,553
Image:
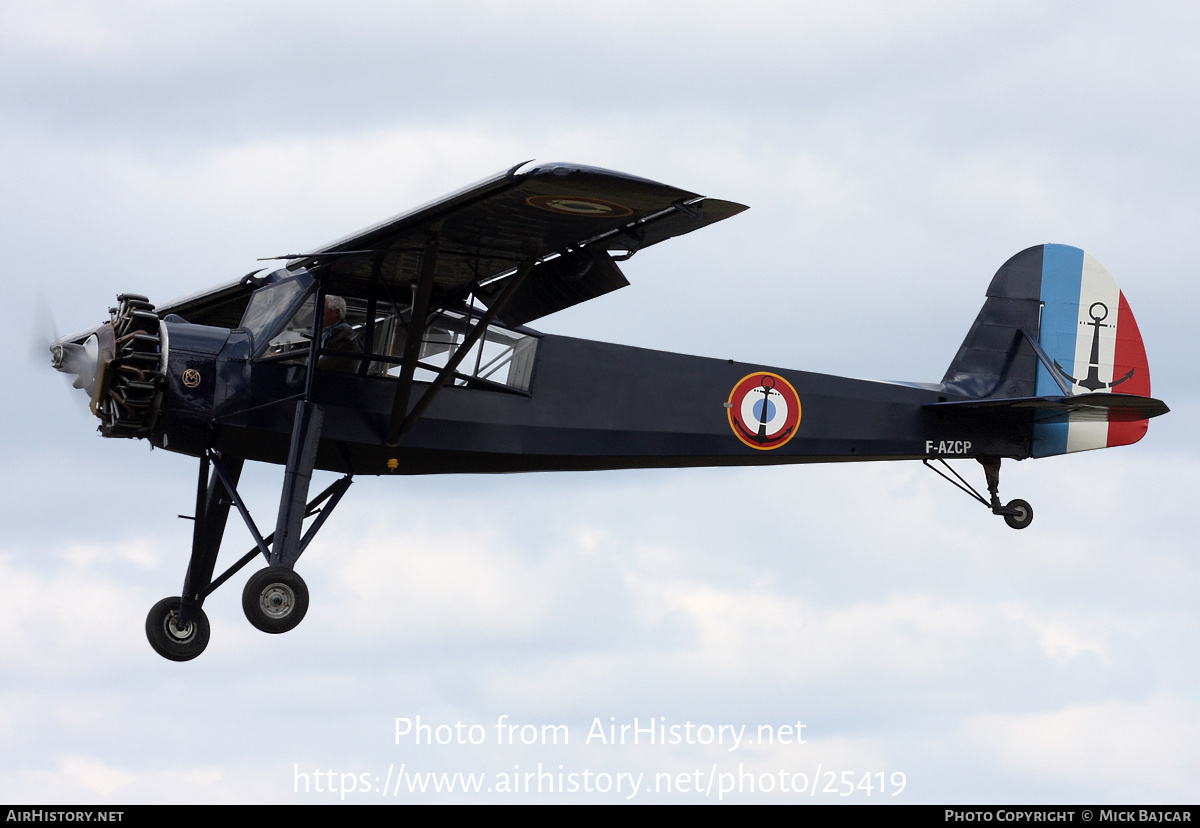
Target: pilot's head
x,y
335,311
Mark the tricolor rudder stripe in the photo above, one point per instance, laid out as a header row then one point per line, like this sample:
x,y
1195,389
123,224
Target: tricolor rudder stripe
x,y
1092,339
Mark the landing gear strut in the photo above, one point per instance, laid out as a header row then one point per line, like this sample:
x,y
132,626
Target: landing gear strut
x,y
1016,513
276,598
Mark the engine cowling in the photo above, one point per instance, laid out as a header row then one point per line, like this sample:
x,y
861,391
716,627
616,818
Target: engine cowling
x,y
120,365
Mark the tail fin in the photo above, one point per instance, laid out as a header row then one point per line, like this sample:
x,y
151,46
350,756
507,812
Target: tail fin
x,y
1066,300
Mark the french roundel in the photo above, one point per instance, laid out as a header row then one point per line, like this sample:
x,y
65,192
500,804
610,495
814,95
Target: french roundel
x,y
579,206
764,410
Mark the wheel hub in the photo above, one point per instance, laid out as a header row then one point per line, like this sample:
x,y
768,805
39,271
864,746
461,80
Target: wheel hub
x,y
277,601
175,631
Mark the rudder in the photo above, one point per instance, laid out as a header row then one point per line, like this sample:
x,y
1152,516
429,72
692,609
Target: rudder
x,y
1071,304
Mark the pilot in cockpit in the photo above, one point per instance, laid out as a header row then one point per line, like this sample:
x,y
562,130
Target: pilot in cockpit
x,y
339,335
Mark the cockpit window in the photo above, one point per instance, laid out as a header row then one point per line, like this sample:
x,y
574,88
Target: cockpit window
x,y
273,309
296,333
500,357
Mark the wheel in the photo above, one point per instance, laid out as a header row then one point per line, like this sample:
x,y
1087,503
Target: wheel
x,y
1023,516
275,599
168,639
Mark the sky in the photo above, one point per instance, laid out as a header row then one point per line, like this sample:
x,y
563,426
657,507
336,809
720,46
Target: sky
x,y
846,633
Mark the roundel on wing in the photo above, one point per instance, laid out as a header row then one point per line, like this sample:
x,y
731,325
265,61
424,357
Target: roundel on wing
x,y
764,410
579,206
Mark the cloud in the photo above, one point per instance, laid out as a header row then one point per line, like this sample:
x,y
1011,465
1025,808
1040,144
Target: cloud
x,y
893,158
1115,750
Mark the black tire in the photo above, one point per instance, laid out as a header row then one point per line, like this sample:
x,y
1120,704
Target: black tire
x,y
168,640
275,599
1024,515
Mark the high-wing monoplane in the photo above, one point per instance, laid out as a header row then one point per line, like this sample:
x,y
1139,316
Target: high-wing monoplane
x,y
404,349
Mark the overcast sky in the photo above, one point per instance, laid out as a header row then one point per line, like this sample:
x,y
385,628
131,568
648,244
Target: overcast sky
x,y
894,155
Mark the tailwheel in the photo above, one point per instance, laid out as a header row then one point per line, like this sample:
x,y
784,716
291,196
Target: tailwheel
x,y
170,639
275,599
1018,514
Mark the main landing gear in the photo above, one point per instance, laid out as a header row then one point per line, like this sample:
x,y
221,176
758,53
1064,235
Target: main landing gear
x,y
171,639
1016,513
275,598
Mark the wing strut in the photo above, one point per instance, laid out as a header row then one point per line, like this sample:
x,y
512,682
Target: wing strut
x,y
513,284
412,342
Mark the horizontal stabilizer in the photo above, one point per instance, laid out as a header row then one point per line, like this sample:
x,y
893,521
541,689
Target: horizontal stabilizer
x,y
1096,408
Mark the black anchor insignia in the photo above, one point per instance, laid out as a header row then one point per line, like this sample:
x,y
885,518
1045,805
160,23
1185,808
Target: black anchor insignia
x,y
761,437
1092,381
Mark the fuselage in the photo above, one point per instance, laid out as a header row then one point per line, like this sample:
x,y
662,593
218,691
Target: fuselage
x,y
589,406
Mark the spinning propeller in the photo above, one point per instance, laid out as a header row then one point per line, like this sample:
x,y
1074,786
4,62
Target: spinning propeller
x,y
120,365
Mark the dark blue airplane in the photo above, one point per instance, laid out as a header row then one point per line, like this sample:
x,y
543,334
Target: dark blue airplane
x,y
424,365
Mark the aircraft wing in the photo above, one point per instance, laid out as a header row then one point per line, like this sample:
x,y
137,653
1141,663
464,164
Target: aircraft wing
x,y
221,306
571,218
